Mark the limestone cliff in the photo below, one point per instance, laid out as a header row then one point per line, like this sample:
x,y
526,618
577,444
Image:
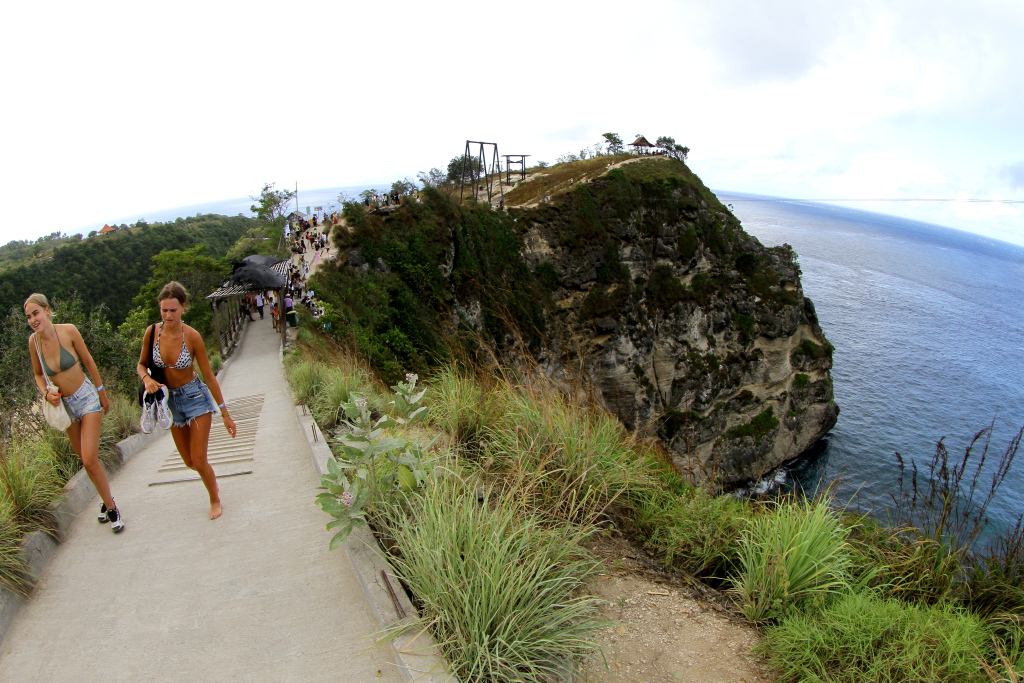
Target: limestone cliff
x,y
689,325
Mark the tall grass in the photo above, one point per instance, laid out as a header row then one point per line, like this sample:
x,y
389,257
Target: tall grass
x,y
862,638
584,454
499,589
28,484
14,572
695,531
792,556
464,406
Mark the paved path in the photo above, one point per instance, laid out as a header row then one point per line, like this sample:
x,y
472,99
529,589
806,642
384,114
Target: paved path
x,y
252,596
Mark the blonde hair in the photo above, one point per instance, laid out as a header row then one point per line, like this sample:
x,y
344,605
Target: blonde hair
x,y
173,290
39,300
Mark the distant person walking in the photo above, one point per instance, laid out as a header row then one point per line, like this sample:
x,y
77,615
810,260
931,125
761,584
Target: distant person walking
x,y
259,303
56,351
178,348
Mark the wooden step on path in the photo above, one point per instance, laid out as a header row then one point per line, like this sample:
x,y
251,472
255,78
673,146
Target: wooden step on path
x,y
229,457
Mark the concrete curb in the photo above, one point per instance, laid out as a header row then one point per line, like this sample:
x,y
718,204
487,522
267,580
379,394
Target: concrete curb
x,y
415,651
39,546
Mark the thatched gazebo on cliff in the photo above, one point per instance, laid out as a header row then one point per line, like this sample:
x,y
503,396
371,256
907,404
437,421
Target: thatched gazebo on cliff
x,y
642,146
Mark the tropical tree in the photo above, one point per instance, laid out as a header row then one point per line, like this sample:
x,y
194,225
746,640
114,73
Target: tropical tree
x,y
271,203
672,150
457,165
614,142
435,178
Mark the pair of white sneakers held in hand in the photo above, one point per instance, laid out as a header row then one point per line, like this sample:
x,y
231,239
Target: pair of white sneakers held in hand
x,y
155,411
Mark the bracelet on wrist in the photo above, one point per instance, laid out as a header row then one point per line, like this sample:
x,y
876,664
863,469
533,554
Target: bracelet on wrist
x,y
222,406
99,388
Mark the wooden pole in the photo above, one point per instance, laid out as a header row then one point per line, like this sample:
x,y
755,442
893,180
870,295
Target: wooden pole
x,y
216,327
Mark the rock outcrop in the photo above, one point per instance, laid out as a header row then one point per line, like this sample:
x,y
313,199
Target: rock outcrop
x,y
689,326
632,269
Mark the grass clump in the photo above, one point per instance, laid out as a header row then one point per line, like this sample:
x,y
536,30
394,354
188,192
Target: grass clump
x,y
794,556
499,589
573,455
463,406
696,531
801,380
863,638
28,484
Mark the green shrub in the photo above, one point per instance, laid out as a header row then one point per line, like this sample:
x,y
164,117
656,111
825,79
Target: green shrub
x,y
789,558
547,275
603,302
801,380
664,288
862,638
500,591
686,248
745,323
759,427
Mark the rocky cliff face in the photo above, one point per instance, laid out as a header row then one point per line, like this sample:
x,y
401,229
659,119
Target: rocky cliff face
x,y
690,326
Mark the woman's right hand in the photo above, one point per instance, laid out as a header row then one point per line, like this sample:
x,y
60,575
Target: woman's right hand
x,y
53,397
152,386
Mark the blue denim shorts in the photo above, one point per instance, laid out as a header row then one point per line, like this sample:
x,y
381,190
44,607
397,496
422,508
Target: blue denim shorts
x,y
84,401
190,401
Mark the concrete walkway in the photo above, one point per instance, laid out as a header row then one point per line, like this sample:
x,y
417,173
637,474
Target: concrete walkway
x,y
252,596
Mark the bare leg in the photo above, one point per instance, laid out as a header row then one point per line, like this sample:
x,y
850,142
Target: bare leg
x,y
85,439
192,442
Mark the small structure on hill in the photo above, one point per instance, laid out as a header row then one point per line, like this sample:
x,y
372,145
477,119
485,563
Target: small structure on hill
x,y
518,160
294,217
642,147
106,229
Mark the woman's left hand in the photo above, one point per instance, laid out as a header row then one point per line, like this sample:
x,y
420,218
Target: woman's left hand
x,y
104,402
229,424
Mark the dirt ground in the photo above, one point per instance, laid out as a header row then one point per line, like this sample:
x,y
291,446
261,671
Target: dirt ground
x,y
665,630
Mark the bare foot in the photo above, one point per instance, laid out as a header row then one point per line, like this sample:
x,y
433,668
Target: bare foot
x,y
216,510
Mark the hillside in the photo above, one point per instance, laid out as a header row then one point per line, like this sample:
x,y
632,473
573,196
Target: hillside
x,y
109,269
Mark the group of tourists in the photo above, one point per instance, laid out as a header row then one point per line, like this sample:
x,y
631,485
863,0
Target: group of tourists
x,y
171,350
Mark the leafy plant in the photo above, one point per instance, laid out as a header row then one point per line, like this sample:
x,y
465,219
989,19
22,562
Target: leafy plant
x,y
353,482
793,556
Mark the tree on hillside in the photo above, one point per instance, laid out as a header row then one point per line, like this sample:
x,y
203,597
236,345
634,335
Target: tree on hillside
x,y
401,187
468,165
672,150
271,203
434,178
615,144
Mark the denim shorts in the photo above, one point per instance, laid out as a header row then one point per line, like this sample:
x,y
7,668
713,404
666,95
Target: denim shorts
x,y
190,401
84,401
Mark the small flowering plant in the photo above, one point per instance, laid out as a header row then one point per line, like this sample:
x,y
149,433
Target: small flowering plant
x,y
352,480
407,401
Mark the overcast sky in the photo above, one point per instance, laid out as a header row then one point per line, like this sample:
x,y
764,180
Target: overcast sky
x,y
119,108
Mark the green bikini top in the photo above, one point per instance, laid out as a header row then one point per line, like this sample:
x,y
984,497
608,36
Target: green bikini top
x,y
67,361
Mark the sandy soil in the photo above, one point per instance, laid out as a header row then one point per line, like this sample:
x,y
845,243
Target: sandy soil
x,y
663,630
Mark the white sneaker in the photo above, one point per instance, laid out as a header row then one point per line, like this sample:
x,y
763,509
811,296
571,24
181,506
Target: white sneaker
x,y
148,420
116,523
163,412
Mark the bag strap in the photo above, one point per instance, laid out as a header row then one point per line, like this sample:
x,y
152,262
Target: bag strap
x,y
39,356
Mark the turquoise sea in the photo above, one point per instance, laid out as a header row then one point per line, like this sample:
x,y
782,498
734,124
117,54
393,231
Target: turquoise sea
x,y
928,325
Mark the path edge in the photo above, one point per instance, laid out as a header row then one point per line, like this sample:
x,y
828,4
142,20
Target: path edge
x,y
415,651
38,546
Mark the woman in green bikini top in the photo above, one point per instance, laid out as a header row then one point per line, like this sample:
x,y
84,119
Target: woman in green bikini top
x,y
62,347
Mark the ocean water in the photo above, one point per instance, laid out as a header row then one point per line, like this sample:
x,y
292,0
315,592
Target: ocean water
x,y
928,325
